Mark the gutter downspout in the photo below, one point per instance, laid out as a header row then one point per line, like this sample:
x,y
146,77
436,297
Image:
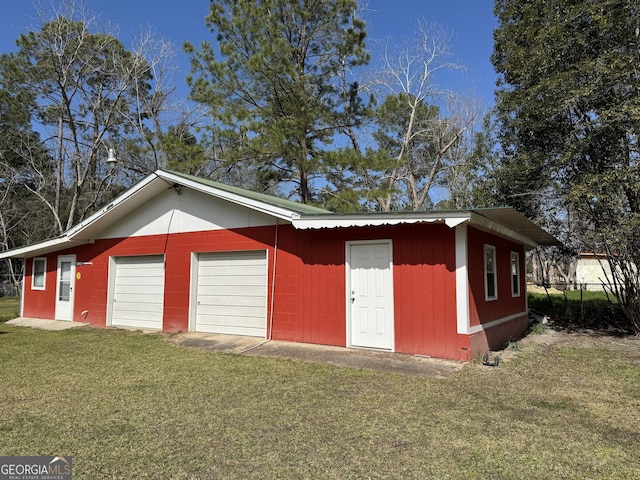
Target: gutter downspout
x,y
273,280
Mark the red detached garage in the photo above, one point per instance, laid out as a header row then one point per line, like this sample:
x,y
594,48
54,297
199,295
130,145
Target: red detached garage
x,y
180,253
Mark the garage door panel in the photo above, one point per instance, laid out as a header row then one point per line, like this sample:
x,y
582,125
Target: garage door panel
x,y
239,269
143,270
232,330
229,321
232,293
230,258
232,311
138,296
150,291
227,300
137,319
140,280
134,302
135,322
233,280
136,261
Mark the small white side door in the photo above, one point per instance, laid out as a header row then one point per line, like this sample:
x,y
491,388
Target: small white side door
x,y
370,295
65,284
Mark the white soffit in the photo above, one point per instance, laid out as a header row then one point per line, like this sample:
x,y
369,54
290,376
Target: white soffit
x,y
487,225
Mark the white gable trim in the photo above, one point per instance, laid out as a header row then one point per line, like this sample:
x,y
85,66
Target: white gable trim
x,y
142,192
254,204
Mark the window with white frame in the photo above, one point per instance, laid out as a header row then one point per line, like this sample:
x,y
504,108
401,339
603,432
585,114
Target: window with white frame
x,y
515,274
490,273
38,273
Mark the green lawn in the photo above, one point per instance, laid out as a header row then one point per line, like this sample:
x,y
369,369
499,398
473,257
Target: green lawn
x,y
9,308
128,405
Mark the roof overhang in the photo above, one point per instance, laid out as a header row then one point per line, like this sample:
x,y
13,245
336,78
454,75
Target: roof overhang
x,y
503,221
336,220
132,199
506,222
510,223
42,248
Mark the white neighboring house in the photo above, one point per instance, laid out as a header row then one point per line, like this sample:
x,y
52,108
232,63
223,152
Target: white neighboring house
x,y
592,271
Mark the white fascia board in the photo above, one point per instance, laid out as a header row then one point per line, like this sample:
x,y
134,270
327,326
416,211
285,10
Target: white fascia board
x,y
316,222
257,205
41,248
486,225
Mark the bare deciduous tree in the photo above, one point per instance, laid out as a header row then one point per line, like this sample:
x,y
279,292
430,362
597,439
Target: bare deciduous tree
x,y
422,125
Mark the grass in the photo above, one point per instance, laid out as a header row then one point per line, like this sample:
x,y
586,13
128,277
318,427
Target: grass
x,y
127,405
9,308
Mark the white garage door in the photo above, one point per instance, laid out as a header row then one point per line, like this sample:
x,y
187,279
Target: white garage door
x,y
138,292
231,294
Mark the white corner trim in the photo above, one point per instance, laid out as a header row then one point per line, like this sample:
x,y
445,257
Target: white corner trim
x,y
453,222
488,325
462,280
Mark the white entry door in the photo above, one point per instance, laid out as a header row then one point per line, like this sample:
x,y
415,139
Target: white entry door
x,y
64,287
370,295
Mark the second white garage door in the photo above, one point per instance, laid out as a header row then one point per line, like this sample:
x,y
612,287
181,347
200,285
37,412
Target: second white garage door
x,y
138,292
231,293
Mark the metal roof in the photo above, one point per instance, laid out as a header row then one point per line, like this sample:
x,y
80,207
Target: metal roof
x,y
297,207
504,221
517,222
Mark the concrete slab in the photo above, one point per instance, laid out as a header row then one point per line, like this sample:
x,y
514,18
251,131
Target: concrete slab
x,y
44,324
323,354
219,343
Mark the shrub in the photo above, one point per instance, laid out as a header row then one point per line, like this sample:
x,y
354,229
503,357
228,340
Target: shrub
x,y
586,310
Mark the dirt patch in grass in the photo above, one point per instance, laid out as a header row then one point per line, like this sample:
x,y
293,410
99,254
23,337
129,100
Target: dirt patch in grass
x,y
550,337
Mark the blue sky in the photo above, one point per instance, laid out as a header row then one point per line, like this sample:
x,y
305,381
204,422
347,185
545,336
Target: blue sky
x,y
470,23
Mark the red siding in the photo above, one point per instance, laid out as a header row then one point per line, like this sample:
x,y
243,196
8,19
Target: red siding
x,y
424,286
310,286
496,337
91,287
481,310
40,303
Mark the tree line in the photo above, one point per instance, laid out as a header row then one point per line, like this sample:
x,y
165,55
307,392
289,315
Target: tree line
x,y
287,99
